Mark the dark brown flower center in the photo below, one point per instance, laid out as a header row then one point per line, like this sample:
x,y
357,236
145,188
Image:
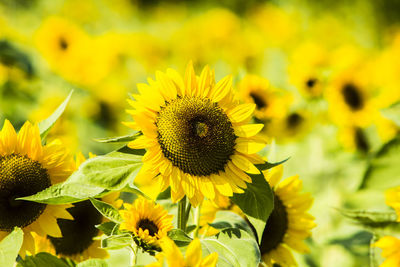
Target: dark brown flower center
x,y
294,120
311,82
258,100
78,233
195,135
352,96
276,227
20,176
361,140
63,43
149,225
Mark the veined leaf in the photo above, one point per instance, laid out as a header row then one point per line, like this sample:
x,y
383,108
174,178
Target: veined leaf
x,y
46,125
234,247
256,202
107,210
10,246
108,228
180,237
65,193
117,241
112,171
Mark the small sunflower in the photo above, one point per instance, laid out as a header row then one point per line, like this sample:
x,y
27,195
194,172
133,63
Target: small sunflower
x,y
26,168
390,246
147,221
269,102
78,236
197,137
392,199
289,223
174,258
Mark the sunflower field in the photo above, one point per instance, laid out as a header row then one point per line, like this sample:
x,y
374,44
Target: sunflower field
x,y
199,133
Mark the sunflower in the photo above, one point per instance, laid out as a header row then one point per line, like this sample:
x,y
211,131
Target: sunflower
x,y
197,137
269,102
27,167
390,246
78,241
392,199
174,258
147,221
289,222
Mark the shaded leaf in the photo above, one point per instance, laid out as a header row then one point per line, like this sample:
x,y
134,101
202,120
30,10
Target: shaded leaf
x,y
117,241
108,228
180,237
44,259
269,165
226,220
256,202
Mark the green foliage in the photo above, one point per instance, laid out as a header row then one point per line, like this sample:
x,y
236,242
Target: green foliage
x,y
65,193
234,247
93,263
44,259
112,171
227,220
180,237
380,223
256,202
117,241
392,113
383,171
268,165
107,210
11,56
10,246
119,139
46,125
108,228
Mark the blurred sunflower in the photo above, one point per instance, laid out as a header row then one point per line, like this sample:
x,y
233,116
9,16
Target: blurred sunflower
x,y
292,126
78,241
269,103
392,199
148,222
197,137
289,223
174,258
27,167
390,246
354,139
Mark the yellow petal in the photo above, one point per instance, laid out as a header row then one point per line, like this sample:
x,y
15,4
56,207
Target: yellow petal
x,y
9,138
248,130
221,89
193,253
241,112
244,164
190,80
246,146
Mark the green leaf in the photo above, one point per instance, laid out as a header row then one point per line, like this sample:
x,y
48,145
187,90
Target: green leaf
x,y
392,113
227,219
112,171
180,237
10,246
44,259
93,263
131,188
65,193
46,125
107,210
117,241
380,223
234,247
119,139
256,202
269,165
383,171
108,228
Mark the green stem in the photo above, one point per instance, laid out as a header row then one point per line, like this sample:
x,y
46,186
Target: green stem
x,y
187,213
134,254
182,214
197,221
